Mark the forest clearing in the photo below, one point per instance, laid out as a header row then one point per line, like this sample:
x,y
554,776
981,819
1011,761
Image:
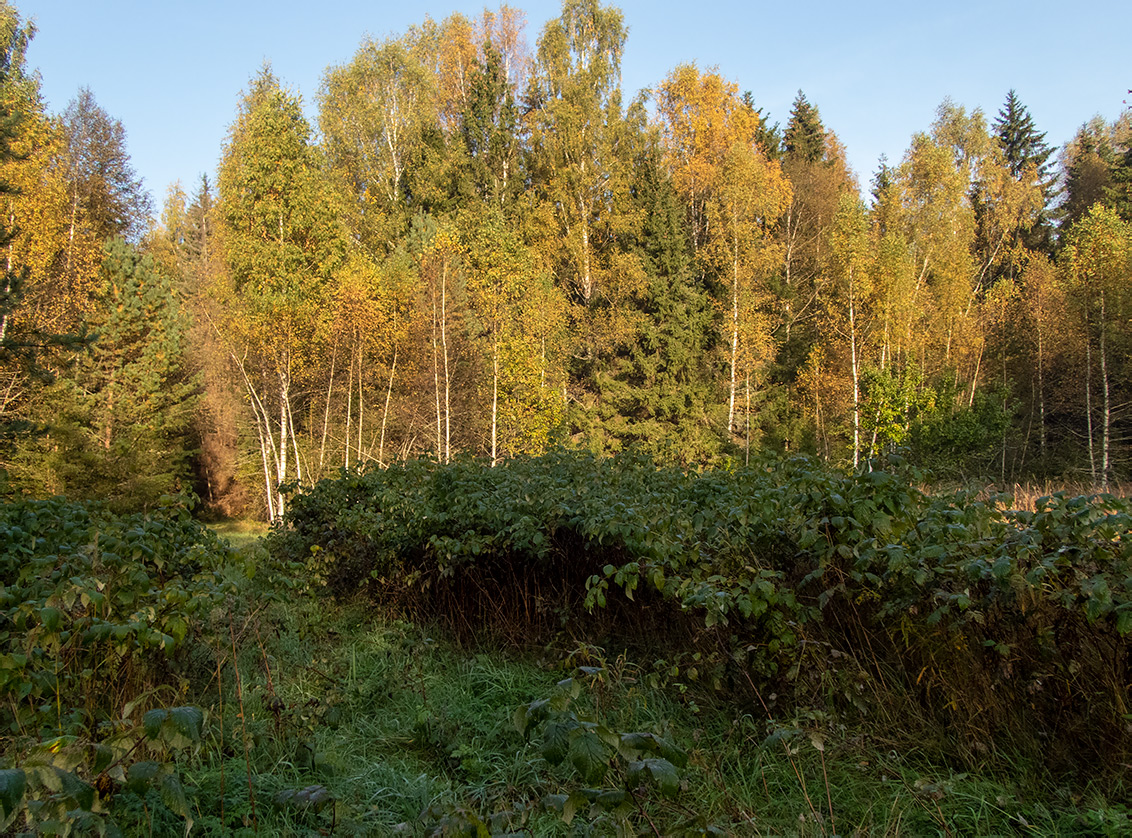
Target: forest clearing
x,y
497,456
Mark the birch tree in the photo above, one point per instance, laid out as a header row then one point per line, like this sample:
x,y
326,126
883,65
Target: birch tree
x,y
1098,269
750,196
280,245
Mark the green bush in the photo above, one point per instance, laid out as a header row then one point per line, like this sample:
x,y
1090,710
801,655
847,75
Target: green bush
x,y
999,629
95,609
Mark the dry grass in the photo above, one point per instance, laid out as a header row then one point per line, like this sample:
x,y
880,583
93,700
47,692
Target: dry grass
x,y
1026,495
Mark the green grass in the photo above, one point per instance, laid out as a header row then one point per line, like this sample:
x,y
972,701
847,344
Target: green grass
x,y
410,733
240,532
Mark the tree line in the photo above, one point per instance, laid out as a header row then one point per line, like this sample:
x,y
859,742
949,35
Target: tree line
x,y
481,247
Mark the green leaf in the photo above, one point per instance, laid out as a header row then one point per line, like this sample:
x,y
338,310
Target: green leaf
x,y
74,788
632,745
139,775
611,799
13,784
573,803
672,753
187,722
103,756
661,772
1124,622
556,740
173,796
178,727
50,618
588,756
152,722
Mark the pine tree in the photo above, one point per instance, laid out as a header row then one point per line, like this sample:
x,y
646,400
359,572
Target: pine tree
x,y
804,138
117,422
1024,146
1088,174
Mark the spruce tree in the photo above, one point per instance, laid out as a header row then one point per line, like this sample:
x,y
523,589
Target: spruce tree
x,y
1024,146
1088,175
1021,143
804,138
117,422
1120,189
660,394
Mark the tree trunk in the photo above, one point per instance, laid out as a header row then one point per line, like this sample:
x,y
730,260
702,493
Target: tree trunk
x,y
361,401
856,378
447,377
436,378
494,402
385,412
1107,409
326,411
734,336
349,411
1089,401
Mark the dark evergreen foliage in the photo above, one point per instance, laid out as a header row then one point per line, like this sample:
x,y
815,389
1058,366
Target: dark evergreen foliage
x,y
106,192
1023,146
804,138
660,394
1088,176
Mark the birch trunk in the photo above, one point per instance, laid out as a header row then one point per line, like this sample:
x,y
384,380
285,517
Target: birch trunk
x,y
385,412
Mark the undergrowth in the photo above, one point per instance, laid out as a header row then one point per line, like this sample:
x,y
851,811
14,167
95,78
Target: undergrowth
x,y
596,660
982,630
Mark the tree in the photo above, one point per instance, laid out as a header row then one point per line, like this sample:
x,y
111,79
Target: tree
x,y
1027,156
850,300
1021,143
281,245
490,129
374,114
1098,268
581,165
702,117
750,196
117,422
107,197
519,317
577,136
1088,162
659,392
186,246
814,162
35,321
804,137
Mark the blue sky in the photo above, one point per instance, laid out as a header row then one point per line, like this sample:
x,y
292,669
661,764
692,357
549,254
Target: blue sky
x,y
172,72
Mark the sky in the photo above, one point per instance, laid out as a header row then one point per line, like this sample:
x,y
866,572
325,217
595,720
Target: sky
x,y
173,71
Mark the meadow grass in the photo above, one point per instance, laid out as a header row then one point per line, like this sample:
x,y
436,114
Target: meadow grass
x,y
410,733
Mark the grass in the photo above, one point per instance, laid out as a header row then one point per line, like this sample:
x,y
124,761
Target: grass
x,y
339,719
410,733
240,532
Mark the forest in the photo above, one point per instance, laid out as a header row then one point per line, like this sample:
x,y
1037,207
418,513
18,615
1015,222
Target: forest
x,y
481,248
497,456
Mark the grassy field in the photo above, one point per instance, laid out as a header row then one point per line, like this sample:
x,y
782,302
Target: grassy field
x,y
155,682
393,730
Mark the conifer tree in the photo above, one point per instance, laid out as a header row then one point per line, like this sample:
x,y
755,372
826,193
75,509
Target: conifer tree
x,y
117,422
1088,173
1027,156
804,138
